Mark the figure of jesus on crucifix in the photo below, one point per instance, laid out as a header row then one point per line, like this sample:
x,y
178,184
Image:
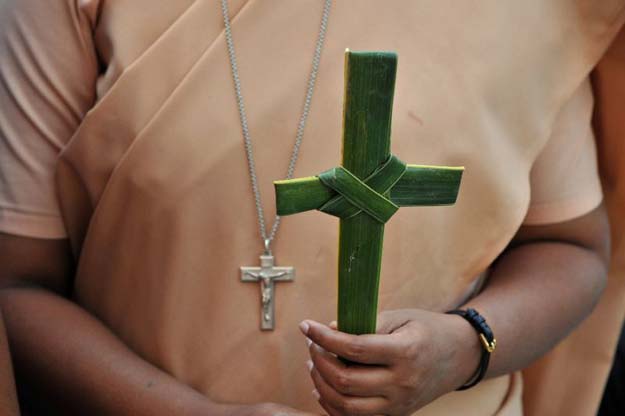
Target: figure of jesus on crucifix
x,y
267,274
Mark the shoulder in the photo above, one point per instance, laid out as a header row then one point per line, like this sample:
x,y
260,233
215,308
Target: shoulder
x,y
52,31
49,14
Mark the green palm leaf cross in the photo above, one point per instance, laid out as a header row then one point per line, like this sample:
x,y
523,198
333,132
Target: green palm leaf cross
x,y
368,188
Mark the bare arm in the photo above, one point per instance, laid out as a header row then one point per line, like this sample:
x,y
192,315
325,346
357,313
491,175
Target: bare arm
x,y
8,398
63,352
542,286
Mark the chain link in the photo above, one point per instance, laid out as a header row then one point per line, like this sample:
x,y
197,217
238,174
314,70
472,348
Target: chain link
x,y
267,239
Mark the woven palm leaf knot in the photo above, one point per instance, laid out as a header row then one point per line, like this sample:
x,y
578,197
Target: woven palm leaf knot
x,y
369,195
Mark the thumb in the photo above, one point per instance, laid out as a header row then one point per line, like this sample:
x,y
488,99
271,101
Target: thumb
x,y
391,321
384,323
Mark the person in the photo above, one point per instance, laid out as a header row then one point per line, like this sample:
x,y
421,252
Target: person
x,y
126,209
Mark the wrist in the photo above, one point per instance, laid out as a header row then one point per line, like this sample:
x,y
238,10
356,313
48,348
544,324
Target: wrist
x,y
467,350
219,409
201,405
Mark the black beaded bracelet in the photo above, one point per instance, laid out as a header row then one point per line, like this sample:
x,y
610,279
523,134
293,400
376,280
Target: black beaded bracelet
x,y
487,339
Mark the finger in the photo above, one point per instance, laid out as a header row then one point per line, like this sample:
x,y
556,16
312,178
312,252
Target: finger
x,y
348,405
333,325
331,411
365,349
353,380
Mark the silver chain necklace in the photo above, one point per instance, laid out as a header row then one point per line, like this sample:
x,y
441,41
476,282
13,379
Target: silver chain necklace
x,y
267,273
268,239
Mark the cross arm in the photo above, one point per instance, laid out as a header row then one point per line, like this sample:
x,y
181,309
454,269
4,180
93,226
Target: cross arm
x,y
420,185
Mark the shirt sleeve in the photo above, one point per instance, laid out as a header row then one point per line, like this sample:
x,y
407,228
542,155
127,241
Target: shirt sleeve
x,y
48,75
564,179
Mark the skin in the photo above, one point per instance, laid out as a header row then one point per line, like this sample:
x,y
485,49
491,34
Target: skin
x,y
544,284
8,398
63,352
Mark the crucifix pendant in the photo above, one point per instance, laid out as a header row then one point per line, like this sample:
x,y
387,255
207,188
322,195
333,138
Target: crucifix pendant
x,y
266,275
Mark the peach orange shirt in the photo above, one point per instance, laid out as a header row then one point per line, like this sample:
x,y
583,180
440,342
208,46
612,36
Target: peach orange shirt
x,y
119,130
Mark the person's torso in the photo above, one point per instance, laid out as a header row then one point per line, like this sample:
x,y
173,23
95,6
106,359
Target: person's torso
x,y
157,195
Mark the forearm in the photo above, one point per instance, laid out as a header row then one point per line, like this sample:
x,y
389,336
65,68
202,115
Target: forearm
x,y
8,399
67,354
537,293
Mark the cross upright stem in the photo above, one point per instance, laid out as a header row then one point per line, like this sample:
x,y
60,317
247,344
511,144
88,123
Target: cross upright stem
x,y
367,112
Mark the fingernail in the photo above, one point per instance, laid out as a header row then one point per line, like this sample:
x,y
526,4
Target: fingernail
x,y
308,342
310,365
304,327
315,394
